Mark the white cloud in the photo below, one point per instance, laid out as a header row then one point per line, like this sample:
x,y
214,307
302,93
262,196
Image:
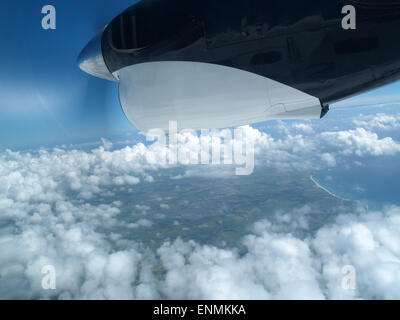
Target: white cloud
x,y
292,152
380,121
306,128
371,243
51,175
329,159
278,263
272,268
46,218
66,236
361,142
140,223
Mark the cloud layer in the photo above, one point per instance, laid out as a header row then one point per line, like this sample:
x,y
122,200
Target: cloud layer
x,y
276,265
52,213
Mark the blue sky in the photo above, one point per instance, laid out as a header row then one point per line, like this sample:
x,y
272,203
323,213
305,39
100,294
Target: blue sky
x,y
44,98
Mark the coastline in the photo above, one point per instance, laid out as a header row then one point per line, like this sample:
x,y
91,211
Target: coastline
x,y
326,190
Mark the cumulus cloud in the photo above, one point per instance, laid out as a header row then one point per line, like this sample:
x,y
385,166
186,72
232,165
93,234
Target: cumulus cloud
x,y
380,121
140,223
46,219
369,242
52,213
361,142
273,266
53,175
290,152
329,159
49,175
276,265
91,261
306,128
